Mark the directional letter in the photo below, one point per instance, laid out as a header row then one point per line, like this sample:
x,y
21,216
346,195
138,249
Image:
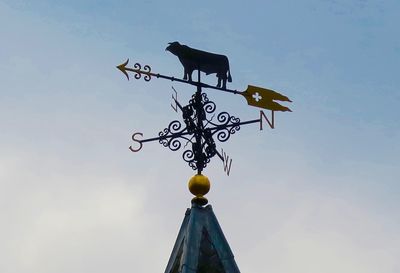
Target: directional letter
x,y
175,105
227,163
138,141
271,124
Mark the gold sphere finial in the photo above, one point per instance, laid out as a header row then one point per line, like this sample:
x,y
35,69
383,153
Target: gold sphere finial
x,y
199,185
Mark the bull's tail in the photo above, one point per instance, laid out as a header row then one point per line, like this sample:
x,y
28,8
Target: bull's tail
x,y
229,76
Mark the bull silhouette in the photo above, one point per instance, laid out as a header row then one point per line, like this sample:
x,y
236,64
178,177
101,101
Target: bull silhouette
x,y
209,63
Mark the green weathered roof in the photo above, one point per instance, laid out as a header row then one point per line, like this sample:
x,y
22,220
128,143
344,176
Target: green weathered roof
x,y
201,246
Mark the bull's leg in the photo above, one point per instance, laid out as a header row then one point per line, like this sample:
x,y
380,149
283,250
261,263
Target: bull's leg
x,y
185,74
190,75
224,83
219,82
221,77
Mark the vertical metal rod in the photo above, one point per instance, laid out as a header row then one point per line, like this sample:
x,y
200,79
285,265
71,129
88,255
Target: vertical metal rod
x,y
199,108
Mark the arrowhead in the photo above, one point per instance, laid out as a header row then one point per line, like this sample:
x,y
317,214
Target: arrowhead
x,y
122,67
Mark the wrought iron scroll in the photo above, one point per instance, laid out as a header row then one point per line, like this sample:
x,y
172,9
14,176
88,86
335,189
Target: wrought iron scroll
x,y
202,129
138,72
228,126
172,136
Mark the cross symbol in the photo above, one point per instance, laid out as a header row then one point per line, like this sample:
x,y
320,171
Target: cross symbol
x,y
257,97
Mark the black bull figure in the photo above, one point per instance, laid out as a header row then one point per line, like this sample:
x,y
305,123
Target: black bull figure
x,y
209,63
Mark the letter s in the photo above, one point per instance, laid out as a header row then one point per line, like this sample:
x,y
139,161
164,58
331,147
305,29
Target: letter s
x,y
136,140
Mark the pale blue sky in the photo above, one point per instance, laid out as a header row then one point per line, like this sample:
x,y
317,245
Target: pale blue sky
x,y
320,193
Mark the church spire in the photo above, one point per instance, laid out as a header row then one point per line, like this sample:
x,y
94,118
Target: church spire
x,y
201,246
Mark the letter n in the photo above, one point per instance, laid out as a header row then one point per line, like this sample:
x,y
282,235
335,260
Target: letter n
x,y
175,102
270,123
227,163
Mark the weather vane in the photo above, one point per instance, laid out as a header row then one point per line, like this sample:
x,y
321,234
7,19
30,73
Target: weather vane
x,y
201,125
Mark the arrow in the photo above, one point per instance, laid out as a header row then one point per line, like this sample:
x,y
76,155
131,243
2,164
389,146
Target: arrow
x,y
137,70
148,74
255,96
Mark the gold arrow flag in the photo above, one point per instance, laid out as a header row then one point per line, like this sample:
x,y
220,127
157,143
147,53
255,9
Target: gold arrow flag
x,y
264,98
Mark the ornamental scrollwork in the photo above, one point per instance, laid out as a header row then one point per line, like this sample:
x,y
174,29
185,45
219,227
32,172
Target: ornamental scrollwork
x,y
201,129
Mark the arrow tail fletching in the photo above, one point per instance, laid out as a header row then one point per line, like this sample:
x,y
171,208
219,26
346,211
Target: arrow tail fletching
x,y
264,98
